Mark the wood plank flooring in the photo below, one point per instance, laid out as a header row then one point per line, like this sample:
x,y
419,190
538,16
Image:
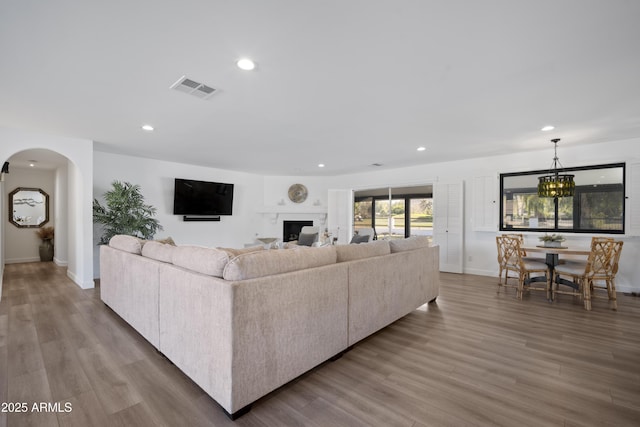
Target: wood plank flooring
x,y
474,358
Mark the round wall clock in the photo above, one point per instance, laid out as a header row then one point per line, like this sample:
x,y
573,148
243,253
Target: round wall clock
x,y
298,193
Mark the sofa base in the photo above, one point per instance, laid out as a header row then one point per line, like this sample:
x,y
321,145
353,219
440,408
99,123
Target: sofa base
x,y
238,413
247,408
339,355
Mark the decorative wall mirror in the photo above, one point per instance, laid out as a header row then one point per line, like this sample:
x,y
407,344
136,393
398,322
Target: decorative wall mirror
x,y
28,207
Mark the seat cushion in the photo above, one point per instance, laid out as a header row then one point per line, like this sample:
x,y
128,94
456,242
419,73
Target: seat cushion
x,y
571,268
534,265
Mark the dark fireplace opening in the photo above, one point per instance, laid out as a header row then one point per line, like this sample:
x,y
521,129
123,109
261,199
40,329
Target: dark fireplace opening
x,y
291,229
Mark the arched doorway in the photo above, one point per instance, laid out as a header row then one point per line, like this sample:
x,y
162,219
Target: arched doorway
x,y
46,171
78,154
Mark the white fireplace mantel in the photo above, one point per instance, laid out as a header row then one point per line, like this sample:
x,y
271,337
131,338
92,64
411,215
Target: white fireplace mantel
x,y
275,211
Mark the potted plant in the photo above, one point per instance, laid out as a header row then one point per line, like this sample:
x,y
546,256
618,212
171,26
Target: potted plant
x,y
125,213
46,234
552,240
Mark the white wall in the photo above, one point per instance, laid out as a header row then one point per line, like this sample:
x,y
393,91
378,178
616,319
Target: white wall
x,y
2,243
156,180
276,199
257,198
23,243
480,247
80,154
61,208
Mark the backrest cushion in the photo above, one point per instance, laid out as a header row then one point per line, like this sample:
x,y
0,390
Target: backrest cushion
x,y
203,260
307,239
363,250
125,243
276,261
357,238
232,252
158,251
409,244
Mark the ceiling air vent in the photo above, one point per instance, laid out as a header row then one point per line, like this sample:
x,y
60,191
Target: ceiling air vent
x,y
194,88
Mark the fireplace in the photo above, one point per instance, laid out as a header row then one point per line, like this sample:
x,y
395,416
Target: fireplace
x,y
291,229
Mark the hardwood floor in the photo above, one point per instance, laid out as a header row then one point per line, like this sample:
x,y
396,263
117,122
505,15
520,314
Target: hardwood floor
x,y
473,358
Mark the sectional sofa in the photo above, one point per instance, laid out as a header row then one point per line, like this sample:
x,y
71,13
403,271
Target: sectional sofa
x,y
241,323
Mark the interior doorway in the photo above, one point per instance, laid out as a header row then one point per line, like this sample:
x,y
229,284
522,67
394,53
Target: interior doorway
x,y
44,171
395,212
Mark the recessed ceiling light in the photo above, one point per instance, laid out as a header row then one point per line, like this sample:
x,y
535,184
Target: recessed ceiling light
x,y
148,128
547,128
246,64
421,148
320,165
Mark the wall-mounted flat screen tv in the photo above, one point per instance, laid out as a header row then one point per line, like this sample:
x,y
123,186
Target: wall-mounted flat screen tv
x,y
202,198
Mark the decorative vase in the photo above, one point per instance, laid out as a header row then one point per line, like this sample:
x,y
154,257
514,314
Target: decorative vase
x,y
552,244
46,250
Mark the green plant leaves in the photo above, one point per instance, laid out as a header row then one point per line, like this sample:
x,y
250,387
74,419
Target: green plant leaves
x,y
125,213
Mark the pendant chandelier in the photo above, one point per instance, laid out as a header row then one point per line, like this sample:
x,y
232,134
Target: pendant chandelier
x,y
556,184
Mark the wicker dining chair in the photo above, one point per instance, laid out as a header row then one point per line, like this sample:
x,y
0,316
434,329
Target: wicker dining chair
x,y
583,276
503,265
510,258
609,284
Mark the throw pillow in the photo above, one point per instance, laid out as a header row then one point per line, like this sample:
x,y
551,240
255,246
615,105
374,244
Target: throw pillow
x,y
359,239
307,239
167,241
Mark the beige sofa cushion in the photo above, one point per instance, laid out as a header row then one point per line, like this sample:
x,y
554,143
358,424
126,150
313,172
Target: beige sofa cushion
x,y
203,260
362,250
275,261
409,244
158,251
126,243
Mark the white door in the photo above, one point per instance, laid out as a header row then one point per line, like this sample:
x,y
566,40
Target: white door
x,y
340,214
448,216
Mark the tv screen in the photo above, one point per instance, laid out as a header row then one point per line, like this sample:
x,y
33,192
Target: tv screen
x,y
202,198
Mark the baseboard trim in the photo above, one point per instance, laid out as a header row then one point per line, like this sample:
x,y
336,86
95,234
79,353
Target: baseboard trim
x,y
20,260
625,288
480,272
621,286
84,285
60,263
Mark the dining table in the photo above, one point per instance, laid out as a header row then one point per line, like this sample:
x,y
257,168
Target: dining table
x,y
552,258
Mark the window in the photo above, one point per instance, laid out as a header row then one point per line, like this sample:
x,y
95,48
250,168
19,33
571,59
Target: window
x,y
395,213
596,207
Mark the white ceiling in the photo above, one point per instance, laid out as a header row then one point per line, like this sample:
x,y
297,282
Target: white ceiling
x,y
347,83
39,158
